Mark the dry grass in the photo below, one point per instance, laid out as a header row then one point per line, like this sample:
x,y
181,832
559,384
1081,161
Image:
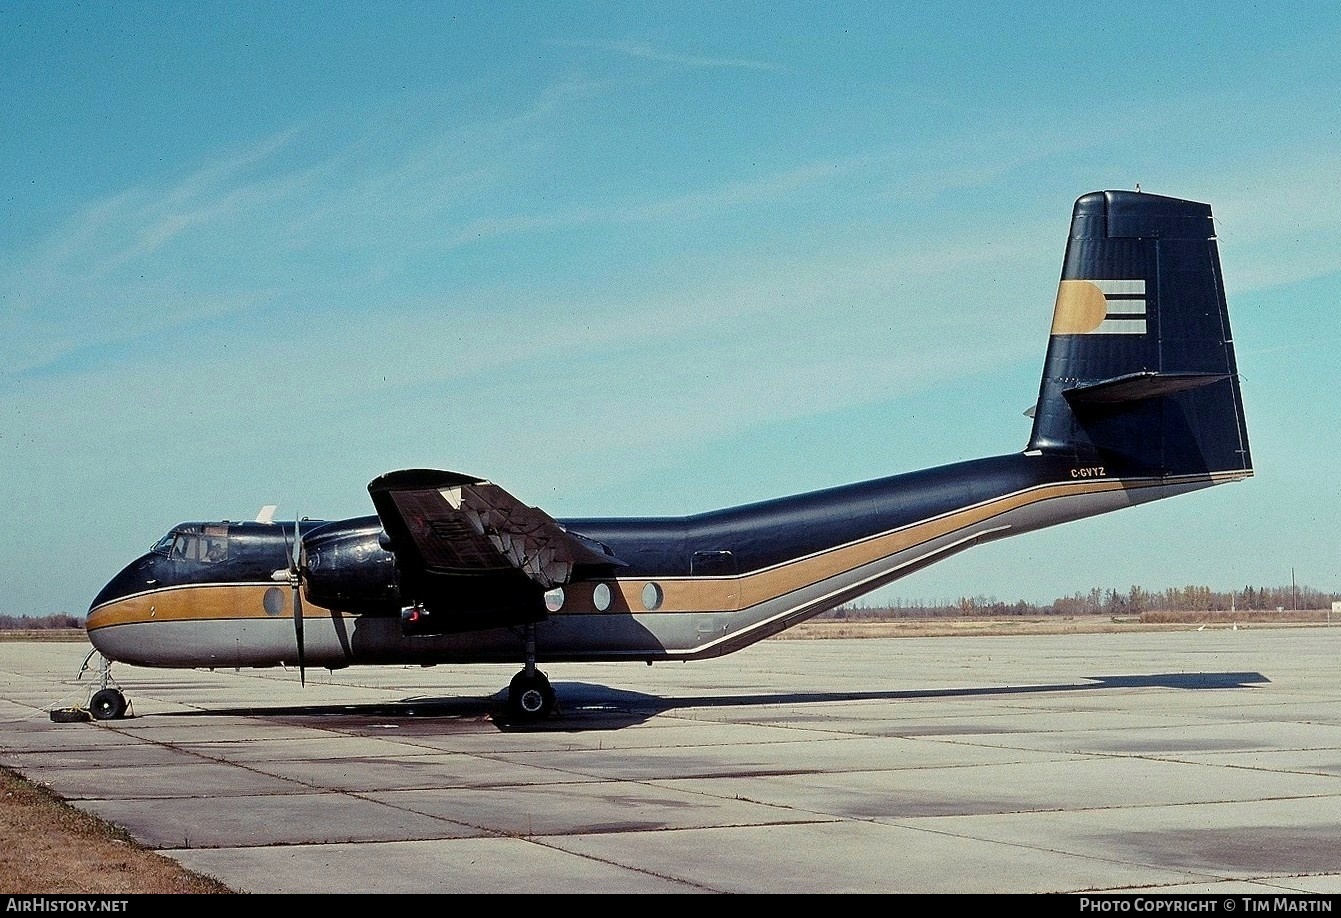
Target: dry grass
x,y
48,846
43,634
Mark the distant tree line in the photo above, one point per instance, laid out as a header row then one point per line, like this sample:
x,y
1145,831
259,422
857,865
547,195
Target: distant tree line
x,y
1103,602
26,623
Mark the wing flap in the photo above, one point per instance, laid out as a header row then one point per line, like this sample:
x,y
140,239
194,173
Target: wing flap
x,y
450,523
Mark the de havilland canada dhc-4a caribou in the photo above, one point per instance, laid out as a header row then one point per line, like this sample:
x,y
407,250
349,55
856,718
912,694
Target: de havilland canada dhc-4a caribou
x,y
1139,400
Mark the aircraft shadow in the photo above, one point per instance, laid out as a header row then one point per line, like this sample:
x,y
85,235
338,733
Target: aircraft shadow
x,y
586,706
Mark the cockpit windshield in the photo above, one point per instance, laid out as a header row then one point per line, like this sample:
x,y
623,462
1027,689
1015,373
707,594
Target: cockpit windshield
x,y
207,544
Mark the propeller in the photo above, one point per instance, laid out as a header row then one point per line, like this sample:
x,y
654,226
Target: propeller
x,y
293,574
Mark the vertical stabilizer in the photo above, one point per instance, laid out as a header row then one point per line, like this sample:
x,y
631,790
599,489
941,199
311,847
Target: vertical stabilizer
x,y
1140,370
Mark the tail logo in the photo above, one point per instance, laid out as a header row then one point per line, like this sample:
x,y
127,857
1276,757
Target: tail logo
x,y
1100,307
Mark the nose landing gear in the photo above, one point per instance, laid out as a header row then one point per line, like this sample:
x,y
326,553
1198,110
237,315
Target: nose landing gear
x,y
108,702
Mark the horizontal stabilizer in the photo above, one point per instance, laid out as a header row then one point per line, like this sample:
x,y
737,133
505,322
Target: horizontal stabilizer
x,y
1134,387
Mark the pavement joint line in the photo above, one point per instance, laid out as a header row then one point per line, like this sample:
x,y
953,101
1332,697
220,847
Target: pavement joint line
x,y
956,740
1272,771
537,841
358,795
1193,875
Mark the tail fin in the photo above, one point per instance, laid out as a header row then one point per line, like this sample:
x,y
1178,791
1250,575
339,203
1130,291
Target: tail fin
x,y
1140,369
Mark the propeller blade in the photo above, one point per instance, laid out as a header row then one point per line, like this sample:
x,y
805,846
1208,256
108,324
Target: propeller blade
x,y
296,579
293,573
298,631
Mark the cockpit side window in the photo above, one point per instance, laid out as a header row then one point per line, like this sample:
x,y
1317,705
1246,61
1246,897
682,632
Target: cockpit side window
x,y
207,547
186,547
214,544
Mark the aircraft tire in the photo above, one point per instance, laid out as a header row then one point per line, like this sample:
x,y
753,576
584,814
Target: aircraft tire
x,y
69,716
530,699
107,704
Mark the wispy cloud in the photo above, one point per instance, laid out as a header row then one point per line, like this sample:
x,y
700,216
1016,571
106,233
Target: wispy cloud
x,y
1280,218
335,226
290,217
647,208
128,263
638,49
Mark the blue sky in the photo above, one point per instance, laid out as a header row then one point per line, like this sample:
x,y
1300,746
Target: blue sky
x,y
629,259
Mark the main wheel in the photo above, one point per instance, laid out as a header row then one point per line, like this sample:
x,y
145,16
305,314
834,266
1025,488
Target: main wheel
x,y
530,698
107,704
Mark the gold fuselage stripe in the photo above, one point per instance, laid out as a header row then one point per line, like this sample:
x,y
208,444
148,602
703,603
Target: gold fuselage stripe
x,y
201,602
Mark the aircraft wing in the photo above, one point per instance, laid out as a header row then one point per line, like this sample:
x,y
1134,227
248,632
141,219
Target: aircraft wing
x,y
449,523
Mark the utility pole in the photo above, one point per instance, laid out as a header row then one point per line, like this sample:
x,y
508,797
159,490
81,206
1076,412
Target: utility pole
x,y
1294,592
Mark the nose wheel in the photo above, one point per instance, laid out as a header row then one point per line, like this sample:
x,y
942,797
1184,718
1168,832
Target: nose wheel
x,y
107,704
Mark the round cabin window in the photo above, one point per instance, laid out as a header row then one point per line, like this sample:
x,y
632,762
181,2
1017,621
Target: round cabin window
x,y
273,601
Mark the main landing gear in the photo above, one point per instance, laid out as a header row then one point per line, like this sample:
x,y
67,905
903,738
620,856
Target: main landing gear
x,y
530,696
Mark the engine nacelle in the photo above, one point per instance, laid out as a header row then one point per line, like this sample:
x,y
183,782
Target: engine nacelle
x,y
345,567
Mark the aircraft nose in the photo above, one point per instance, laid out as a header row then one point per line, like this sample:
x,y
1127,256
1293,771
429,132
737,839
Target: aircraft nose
x,y
107,608
135,577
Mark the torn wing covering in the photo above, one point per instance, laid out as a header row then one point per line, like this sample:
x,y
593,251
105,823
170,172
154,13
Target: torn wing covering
x,y
458,524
